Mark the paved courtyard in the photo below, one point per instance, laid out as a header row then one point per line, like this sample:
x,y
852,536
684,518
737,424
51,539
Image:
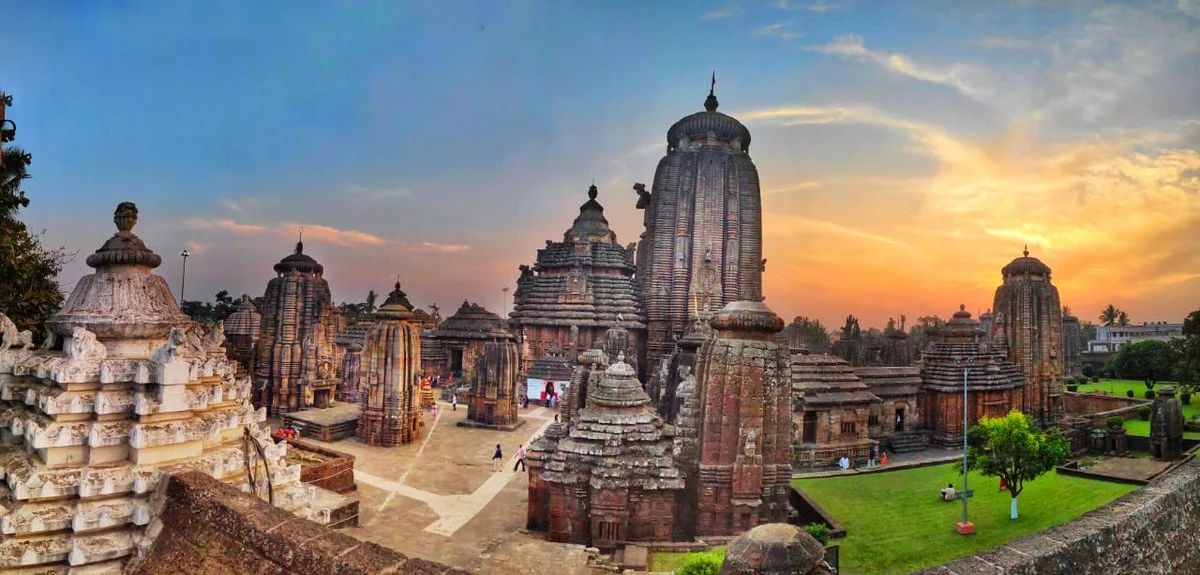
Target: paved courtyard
x,y
439,499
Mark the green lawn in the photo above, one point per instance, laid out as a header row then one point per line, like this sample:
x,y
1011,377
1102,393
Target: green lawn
x,y
1118,387
896,524
664,562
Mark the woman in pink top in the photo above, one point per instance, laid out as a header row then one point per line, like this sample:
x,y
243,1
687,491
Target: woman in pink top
x,y
520,458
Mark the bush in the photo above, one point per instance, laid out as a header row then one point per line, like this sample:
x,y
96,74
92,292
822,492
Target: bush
x,y
706,563
1149,394
1149,384
1116,421
1089,371
1072,388
819,531
1185,398
1128,393
1144,412
1095,379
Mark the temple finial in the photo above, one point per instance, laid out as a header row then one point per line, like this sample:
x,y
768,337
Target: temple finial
x,y
592,191
710,103
1026,252
300,242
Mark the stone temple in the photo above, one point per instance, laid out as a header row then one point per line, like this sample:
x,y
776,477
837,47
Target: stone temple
x,y
295,369
583,282
493,399
459,340
1027,320
124,389
390,372
702,241
242,330
833,409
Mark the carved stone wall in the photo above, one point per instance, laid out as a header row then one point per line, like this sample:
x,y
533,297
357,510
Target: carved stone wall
x,y
493,398
831,409
746,425
242,330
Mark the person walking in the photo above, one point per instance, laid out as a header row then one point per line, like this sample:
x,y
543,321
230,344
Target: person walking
x,y
453,401
497,459
520,458
871,457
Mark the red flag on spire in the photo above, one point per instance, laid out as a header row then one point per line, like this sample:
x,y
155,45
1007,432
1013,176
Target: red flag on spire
x,y
714,82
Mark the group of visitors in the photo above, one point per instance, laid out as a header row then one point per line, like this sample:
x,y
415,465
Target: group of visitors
x,y
498,459
846,464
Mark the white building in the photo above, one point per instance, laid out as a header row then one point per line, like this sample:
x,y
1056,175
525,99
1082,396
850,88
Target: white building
x,y
1110,339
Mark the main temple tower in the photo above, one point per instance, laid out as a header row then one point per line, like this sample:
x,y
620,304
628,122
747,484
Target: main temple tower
x,y
702,243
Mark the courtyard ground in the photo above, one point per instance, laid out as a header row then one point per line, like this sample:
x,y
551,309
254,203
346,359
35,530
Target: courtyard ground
x,y
438,498
1138,427
895,522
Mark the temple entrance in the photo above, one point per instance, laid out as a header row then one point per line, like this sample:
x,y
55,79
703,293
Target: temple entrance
x,y
899,419
322,397
456,362
810,427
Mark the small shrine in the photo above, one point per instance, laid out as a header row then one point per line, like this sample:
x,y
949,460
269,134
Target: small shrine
x,y
390,369
460,339
894,421
832,410
493,400
125,389
242,330
295,369
1166,426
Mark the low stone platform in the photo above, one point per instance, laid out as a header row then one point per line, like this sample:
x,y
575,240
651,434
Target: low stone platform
x,y
329,424
323,467
510,427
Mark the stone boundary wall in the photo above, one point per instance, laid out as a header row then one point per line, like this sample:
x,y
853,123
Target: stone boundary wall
x,y
335,474
205,526
1154,530
810,512
1099,408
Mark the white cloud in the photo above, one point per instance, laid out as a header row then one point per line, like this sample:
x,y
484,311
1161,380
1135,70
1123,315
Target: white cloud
x,y
778,30
965,78
728,11
316,233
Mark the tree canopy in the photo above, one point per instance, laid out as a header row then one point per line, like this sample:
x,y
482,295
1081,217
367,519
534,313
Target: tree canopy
x,y
356,312
1150,360
208,312
1013,450
30,293
1187,353
1111,316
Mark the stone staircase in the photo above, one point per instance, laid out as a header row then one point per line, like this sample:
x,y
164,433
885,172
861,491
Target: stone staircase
x,y
908,441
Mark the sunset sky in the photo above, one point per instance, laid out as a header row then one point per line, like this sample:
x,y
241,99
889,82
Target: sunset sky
x,y
907,150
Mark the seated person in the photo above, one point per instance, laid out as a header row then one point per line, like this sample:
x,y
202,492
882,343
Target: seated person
x,y
948,494
844,463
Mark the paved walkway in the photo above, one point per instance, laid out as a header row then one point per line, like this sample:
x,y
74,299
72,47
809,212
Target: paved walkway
x,y
895,461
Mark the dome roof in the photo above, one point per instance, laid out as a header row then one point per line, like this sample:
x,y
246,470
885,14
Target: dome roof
x,y
396,306
299,261
697,127
1025,265
591,225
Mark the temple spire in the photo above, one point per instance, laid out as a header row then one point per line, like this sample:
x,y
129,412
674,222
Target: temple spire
x,y
300,242
710,103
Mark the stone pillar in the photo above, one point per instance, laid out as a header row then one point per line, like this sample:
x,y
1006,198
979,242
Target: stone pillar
x,y
775,549
746,426
1166,426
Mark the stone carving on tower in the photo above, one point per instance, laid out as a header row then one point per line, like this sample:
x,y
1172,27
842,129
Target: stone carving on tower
x,y
493,399
298,327
390,375
702,241
134,391
584,282
1028,322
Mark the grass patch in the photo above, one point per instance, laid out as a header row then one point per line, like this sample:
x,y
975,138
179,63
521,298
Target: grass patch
x,y
896,524
1118,387
664,561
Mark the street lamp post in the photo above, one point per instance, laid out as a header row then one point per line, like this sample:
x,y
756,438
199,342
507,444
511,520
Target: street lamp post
x,y
504,302
966,527
183,281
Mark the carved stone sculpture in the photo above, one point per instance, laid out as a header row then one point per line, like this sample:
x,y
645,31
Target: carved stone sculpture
x,y
85,347
167,351
9,335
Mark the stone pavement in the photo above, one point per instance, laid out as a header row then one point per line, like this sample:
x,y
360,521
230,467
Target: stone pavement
x,y
932,456
439,499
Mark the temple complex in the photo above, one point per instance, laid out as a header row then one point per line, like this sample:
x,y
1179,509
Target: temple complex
x,y
702,241
833,410
584,282
389,384
125,389
745,434
242,329
295,368
1072,347
995,386
460,339
895,421
612,477
1027,321
493,399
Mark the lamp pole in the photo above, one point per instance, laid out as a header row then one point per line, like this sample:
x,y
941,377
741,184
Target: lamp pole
x,y
183,281
503,301
965,528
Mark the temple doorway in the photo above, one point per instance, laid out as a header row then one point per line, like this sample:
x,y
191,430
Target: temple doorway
x,y
456,362
810,427
899,419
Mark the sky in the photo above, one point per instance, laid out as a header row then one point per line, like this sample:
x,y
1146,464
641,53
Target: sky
x,y
907,150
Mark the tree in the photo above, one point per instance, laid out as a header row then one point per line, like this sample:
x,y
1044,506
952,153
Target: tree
x,y
29,292
1015,451
1187,354
1110,315
810,332
1087,332
1150,361
206,312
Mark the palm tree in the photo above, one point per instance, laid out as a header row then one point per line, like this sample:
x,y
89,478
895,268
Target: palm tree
x,y
1109,316
1122,319
15,169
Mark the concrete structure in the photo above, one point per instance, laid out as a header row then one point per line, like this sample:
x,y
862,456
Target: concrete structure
x,y
296,366
1110,339
390,368
577,289
702,241
831,408
995,386
125,389
1027,321
745,431
242,330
